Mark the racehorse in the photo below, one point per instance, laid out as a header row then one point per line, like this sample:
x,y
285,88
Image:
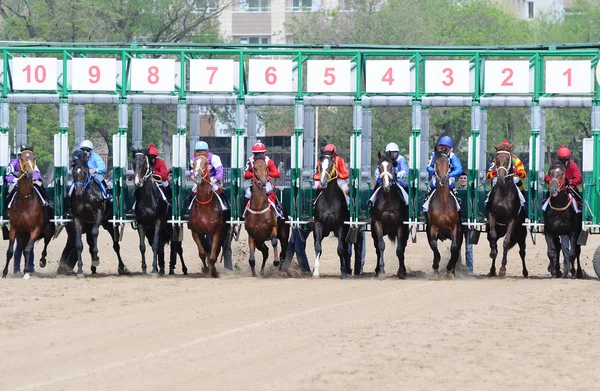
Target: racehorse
x,y
152,210
330,215
505,216
207,218
27,218
561,218
90,211
442,219
261,221
387,217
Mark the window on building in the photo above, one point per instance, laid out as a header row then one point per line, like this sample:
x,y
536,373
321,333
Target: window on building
x,y
255,6
254,40
347,5
306,5
530,9
201,6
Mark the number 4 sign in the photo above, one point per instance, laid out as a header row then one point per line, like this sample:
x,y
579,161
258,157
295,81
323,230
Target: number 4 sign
x,y
391,76
270,75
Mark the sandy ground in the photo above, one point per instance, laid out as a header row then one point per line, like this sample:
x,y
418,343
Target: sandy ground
x,y
144,333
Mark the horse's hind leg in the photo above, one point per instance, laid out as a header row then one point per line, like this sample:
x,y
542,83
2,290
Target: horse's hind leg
x,y
262,247
114,235
379,249
552,256
456,237
184,268
201,253
9,251
251,260
142,235
214,254
283,234
492,237
577,255
522,240
506,245
400,249
343,251
79,247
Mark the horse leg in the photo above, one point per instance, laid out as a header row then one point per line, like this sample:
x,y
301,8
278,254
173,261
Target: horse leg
x,y
114,235
142,235
522,243
318,237
457,238
577,255
214,254
28,251
379,249
262,247
201,253
432,237
94,246
400,249
161,258
276,260
180,252
493,239
79,247
252,249
570,260
173,256
552,256
10,251
156,244
510,228
343,253
358,254
283,234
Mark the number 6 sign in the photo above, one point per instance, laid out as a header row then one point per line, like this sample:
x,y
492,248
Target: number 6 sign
x,y
270,75
503,77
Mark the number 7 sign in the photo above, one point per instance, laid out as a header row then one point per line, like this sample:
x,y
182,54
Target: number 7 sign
x,y
211,75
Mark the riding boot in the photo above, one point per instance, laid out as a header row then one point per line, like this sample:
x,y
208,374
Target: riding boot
x,y
319,190
223,198
372,200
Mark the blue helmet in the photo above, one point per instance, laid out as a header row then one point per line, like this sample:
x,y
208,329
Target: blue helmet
x,y
446,141
201,146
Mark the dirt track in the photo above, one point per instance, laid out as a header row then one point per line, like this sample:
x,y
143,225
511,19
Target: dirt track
x,y
137,332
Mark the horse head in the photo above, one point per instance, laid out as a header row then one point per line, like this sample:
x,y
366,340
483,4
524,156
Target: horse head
x,y
261,172
27,161
503,161
201,170
387,173
557,178
441,168
328,171
80,172
141,166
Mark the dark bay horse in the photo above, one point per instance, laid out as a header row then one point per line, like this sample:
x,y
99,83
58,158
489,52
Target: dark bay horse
x,y
91,210
262,223
442,219
560,218
331,214
152,211
207,218
388,215
27,219
504,213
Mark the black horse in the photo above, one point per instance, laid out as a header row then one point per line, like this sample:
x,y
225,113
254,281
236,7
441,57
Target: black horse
x,y
561,218
90,211
152,211
330,215
388,216
504,213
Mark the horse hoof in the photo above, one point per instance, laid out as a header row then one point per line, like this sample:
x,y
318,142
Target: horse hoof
x,y
316,275
184,270
206,275
436,273
401,276
43,262
161,272
93,269
344,276
276,263
95,262
448,276
81,275
155,274
492,273
215,274
253,273
123,271
502,272
381,276
172,272
144,273
26,276
525,273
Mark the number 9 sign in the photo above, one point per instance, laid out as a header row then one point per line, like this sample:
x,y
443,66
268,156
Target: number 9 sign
x,y
270,75
94,74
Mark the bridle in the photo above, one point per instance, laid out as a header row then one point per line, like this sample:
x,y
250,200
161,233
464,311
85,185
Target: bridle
x,y
331,175
510,165
148,170
387,174
205,178
435,170
22,166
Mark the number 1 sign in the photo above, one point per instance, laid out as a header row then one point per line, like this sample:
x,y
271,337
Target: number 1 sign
x,y
270,75
568,77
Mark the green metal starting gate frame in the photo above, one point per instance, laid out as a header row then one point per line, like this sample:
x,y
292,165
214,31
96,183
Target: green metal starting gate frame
x,y
250,85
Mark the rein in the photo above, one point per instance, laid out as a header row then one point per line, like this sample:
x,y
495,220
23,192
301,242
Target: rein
x,y
205,178
87,181
148,171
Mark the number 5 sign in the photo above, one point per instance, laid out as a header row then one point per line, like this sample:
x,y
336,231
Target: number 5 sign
x,y
447,76
503,77
329,76
270,75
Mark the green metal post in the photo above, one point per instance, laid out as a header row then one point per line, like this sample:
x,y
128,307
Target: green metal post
x,y
120,165
473,165
4,155
413,169
60,170
179,164
296,170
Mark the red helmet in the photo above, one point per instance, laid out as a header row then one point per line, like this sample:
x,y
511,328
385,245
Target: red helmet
x,y
259,147
563,152
330,148
152,150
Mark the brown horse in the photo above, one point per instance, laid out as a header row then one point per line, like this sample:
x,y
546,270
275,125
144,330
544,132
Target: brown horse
x,y
26,212
443,220
261,221
207,218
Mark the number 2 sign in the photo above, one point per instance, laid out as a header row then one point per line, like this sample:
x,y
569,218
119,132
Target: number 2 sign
x,y
270,75
503,77
447,76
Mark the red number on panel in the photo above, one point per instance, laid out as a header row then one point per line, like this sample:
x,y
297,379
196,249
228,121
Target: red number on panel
x,y
387,77
449,79
270,76
329,74
153,75
94,73
507,82
212,75
567,73
39,73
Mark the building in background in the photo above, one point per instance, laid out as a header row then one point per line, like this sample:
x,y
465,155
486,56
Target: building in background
x,y
530,9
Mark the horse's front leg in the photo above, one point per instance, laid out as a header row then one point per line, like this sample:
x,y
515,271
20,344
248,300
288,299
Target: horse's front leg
x,y
214,253
493,239
79,247
552,256
201,253
318,237
114,235
142,235
379,249
456,236
28,251
432,234
343,250
274,241
510,228
570,260
9,253
93,239
400,249
156,244
251,260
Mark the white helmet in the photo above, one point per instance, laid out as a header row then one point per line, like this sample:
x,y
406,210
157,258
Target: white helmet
x,y
86,144
392,147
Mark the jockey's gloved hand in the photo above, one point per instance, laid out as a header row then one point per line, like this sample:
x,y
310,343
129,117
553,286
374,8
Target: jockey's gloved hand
x,y
213,180
15,180
567,182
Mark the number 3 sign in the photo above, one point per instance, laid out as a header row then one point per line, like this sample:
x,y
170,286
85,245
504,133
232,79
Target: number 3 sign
x,y
270,75
447,76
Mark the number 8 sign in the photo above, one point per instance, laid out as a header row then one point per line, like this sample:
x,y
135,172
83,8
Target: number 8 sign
x,y
270,76
152,75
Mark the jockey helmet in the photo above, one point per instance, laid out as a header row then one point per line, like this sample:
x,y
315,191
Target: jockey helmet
x,y
563,152
86,144
445,141
201,146
330,148
392,147
259,147
152,150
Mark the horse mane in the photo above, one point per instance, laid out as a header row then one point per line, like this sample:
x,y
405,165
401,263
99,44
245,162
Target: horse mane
x,y
438,154
79,158
557,164
504,147
384,158
135,151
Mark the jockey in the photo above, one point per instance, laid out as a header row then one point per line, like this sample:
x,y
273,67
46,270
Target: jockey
x,y
216,172
573,176
445,144
96,165
258,151
518,169
13,173
158,164
342,172
400,168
